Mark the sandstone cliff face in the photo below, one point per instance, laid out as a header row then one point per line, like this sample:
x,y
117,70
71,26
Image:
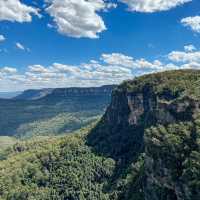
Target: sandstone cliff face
x,y
165,169
78,91
146,108
162,123
149,107
65,92
157,116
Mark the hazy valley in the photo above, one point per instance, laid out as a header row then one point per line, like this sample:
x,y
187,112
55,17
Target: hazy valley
x,y
50,112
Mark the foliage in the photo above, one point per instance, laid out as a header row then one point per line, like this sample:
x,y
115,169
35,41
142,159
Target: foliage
x,y
171,83
62,168
5,142
62,123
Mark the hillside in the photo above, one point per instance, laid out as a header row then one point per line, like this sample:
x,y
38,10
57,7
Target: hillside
x,y
62,110
145,147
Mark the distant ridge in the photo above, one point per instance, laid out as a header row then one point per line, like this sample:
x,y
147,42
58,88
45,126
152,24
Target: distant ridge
x,y
9,95
52,111
65,92
33,94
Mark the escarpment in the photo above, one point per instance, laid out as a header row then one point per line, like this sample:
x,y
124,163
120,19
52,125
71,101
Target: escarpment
x,y
157,116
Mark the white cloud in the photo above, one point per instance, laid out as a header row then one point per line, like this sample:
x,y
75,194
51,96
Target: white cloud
x,y
50,25
21,46
108,69
181,56
117,59
192,22
79,18
144,64
191,65
2,38
8,70
150,6
14,10
189,48
68,69
188,59
38,69
17,78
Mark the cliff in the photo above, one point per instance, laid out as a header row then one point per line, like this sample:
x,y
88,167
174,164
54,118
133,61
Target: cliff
x,y
65,92
156,116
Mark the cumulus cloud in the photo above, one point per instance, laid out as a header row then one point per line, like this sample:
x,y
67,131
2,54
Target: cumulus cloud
x,y
188,59
191,65
38,69
192,22
15,11
8,70
190,48
181,56
2,38
144,64
150,6
79,18
110,68
66,69
117,59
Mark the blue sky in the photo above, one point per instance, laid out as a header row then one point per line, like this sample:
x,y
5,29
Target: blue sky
x,y
86,43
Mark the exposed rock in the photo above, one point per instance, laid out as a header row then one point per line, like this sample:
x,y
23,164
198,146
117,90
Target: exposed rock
x,y
65,92
156,115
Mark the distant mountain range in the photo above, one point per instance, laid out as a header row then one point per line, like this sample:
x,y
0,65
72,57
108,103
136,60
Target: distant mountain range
x,y
64,92
9,95
33,94
52,111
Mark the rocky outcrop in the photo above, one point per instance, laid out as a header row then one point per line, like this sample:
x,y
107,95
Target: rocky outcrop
x,y
84,91
149,107
161,119
165,169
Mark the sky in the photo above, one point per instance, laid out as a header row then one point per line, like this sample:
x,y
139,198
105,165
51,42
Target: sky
x,y
66,43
